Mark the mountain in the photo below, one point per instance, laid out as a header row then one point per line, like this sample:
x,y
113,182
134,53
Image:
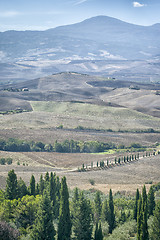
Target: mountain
x,y
100,45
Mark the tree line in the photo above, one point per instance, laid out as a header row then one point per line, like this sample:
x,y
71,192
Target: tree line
x,y
67,146
48,210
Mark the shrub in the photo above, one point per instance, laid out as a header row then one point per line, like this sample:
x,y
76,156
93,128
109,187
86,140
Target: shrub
x,y
9,161
60,126
80,128
2,161
124,232
92,181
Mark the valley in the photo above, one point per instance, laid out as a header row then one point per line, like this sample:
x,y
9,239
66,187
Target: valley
x,y
97,80
83,108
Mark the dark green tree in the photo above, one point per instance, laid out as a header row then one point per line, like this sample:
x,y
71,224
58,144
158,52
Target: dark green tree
x,y
22,188
82,222
46,180
111,215
98,206
41,185
64,225
75,200
122,218
32,186
105,211
139,217
136,205
98,235
57,205
11,186
52,191
155,227
43,227
144,235
151,201
37,189
142,227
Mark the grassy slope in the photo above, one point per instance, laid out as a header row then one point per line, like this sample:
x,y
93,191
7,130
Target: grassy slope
x,y
100,116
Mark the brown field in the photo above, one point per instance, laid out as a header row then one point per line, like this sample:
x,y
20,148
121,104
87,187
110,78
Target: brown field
x,y
125,178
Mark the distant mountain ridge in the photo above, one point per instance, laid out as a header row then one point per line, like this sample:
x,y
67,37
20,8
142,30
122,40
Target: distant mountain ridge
x,y
80,47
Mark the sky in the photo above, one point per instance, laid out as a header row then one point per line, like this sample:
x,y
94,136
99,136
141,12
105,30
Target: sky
x,y
45,14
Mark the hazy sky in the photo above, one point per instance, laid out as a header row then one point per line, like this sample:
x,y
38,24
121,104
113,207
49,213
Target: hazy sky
x,y
44,14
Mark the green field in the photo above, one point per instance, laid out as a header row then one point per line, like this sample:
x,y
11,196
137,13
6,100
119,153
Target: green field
x,y
99,117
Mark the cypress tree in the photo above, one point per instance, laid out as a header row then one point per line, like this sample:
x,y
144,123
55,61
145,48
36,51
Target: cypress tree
x,y
32,187
64,225
98,206
155,227
144,233
52,191
41,185
151,201
111,215
11,186
37,189
98,232
57,203
105,211
46,180
142,227
52,187
43,227
136,205
58,187
82,221
22,188
75,200
139,217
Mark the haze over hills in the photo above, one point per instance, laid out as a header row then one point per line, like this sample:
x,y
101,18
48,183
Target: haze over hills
x,y
99,45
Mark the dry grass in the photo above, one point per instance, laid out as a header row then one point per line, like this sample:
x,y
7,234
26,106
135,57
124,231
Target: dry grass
x,y
126,178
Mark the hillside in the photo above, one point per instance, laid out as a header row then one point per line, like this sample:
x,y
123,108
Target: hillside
x,y
71,86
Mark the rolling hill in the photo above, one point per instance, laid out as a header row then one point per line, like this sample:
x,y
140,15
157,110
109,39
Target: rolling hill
x,y
83,88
